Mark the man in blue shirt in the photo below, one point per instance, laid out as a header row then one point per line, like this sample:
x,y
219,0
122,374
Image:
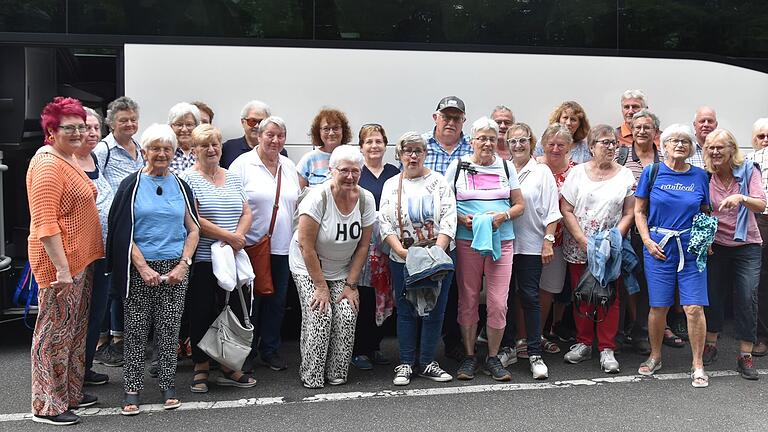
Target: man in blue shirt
x,y
250,118
446,141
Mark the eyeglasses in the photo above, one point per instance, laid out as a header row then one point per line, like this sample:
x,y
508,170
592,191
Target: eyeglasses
x,y
413,152
70,129
457,118
640,128
346,172
677,141
189,126
521,141
328,129
761,137
606,142
485,139
253,122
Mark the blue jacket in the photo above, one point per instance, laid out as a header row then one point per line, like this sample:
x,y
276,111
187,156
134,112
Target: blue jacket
x,y
610,256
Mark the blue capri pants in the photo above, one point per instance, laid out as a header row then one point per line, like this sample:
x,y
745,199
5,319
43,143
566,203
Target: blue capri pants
x,y
663,277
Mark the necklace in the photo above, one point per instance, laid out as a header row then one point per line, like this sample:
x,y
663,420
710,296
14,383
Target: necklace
x,y
159,190
209,177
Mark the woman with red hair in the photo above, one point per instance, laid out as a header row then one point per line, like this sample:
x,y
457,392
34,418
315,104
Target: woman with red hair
x,y
64,241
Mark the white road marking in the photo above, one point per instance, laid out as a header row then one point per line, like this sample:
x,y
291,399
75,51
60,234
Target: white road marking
x,y
334,397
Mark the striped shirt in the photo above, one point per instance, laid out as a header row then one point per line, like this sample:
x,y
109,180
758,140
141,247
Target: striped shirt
x,y
222,206
313,167
114,162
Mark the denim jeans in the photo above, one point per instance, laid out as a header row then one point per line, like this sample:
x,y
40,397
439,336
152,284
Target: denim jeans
x,y
268,311
526,273
408,320
734,269
99,300
114,320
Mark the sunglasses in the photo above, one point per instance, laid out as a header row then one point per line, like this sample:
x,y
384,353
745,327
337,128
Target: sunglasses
x,y
252,122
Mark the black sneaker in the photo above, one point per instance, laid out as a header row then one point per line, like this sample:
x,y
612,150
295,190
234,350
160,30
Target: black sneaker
x,y
709,355
86,401
455,352
467,368
114,355
274,362
562,333
680,327
101,352
434,372
64,419
92,378
496,370
746,368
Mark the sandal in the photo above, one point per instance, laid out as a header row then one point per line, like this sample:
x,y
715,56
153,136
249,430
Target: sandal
x,y
548,346
130,404
200,381
699,379
672,340
228,379
171,402
649,367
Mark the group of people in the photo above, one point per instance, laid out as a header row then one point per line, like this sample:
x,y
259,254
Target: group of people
x,y
126,239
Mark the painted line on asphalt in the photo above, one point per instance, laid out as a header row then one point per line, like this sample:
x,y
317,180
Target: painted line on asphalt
x,y
436,391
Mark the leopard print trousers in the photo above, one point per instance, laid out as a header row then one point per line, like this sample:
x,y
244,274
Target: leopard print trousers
x,y
326,337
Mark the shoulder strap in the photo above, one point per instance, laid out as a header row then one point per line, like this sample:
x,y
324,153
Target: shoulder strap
x,y
652,177
276,205
506,171
361,201
399,205
623,155
456,177
106,159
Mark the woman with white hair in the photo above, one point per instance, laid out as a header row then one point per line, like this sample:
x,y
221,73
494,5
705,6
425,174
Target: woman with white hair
x,y
153,232
737,194
760,156
326,265
488,198
417,204
183,118
668,195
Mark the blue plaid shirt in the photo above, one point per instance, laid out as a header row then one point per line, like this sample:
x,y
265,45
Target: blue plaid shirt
x,y
439,159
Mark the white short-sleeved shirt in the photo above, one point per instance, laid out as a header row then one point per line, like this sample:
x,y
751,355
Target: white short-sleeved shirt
x,y
428,209
260,188
597,205
542,207
338,235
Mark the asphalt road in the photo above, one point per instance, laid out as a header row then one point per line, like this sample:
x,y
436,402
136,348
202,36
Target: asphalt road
x,y
574,398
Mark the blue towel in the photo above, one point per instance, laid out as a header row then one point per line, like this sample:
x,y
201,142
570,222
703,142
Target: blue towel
x,y
742,174
485,239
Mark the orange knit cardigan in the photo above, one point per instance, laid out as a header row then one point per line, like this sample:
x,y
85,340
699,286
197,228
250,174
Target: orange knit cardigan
x,y
62,200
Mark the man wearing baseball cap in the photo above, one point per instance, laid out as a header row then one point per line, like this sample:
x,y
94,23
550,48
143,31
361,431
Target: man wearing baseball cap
x,y
446,141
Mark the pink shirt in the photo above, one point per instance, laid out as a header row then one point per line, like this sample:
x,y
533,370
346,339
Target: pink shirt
x,y
726,226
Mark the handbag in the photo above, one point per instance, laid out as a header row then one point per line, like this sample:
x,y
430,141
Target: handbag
x,y
226,341
591,293
260,253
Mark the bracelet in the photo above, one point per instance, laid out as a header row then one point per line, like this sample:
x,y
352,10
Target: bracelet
x,y
352,286
744,199
506,213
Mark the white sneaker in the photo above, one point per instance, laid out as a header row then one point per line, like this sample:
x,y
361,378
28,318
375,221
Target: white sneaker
x,y
337,381
403,374
608,361
539,370
578,353
507,356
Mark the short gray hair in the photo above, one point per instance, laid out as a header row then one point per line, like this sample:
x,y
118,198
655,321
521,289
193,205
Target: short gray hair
x,y
634,94
346,152
644,113
158,132
275,120
180,110
598,131
554,130
484,123
255,104
502,108
760,124
123,103
680,129
411,137
91,112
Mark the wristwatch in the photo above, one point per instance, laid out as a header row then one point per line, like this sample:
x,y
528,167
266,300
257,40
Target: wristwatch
x,y
352,286
550,238
187,261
